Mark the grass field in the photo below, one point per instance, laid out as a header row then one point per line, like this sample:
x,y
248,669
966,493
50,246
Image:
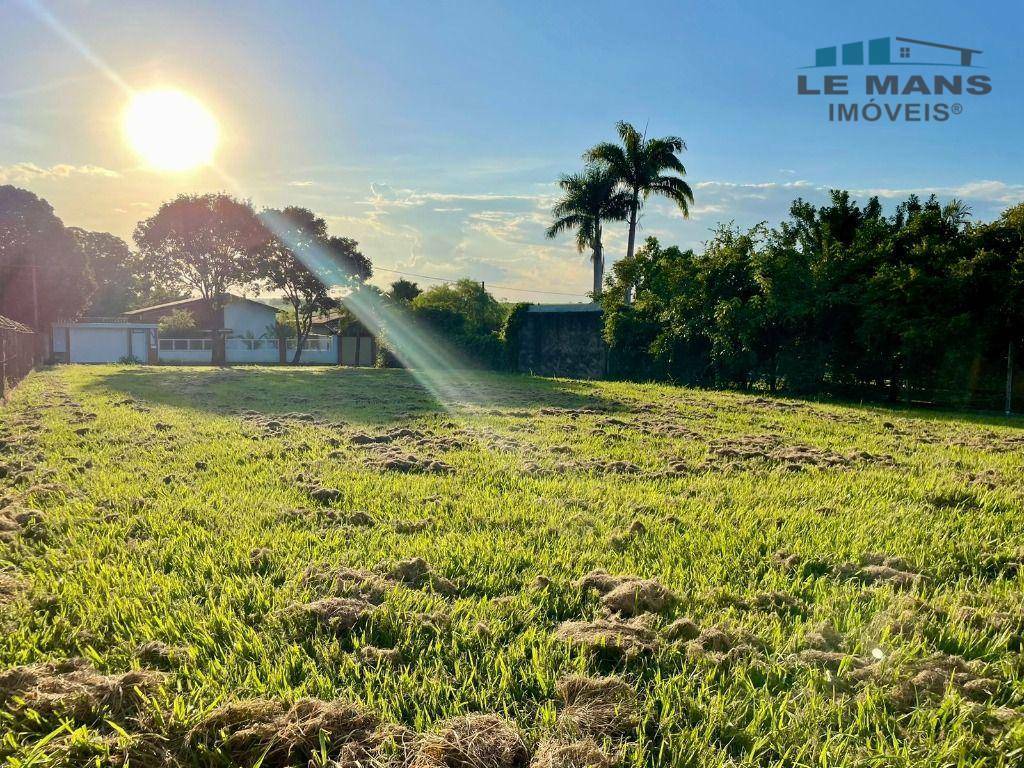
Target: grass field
x,y
325,567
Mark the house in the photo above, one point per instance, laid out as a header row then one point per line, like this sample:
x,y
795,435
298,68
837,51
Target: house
x,y
562,340
239,316
103,340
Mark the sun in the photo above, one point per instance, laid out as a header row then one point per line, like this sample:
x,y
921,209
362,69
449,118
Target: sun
x,y
171,130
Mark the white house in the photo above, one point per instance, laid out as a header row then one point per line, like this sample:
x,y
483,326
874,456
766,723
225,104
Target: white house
x,y
105,340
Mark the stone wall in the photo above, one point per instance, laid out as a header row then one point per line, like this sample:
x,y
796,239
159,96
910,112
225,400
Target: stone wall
x,y
565,343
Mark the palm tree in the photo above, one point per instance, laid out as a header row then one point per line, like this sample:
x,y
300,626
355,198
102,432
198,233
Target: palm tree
x,y
638,164
589,199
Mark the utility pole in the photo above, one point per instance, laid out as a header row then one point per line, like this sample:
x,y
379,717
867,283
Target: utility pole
x,y
35,295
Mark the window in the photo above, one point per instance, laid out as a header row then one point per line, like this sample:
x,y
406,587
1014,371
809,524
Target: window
x,y
904,52
166,344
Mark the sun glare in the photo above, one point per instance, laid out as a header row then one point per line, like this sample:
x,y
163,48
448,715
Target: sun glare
x,y
170,130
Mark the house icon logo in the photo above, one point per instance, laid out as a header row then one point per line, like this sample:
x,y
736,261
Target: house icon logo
x,y
894,80
894,51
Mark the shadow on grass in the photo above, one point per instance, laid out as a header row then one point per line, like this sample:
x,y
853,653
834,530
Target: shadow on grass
x,y
368,395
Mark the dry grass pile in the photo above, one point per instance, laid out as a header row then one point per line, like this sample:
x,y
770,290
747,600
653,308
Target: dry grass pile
x,y
471,741
628,596
628,638
277,736
597,706
337,614
72,688
581,753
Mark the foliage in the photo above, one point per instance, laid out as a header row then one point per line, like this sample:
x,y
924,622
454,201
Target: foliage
x,y
283,327
44,275
176,321
119,286
294,260
186,542
404,291
468,317
644,167
510,334
588,200
201,244
838,297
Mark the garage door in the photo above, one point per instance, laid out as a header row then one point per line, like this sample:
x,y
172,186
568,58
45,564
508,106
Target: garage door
x,y
98,345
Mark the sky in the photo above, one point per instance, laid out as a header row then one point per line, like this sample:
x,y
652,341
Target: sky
x,y
434,133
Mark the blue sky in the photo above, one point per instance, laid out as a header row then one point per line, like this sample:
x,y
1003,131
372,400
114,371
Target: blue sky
x,y
433,132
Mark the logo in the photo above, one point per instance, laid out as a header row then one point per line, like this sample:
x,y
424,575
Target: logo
x,y
894,80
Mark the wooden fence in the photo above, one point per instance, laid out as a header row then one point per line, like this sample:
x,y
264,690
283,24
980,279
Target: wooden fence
x,y
17,353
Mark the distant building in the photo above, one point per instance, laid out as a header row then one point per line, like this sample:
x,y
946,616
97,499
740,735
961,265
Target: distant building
x,y
563,340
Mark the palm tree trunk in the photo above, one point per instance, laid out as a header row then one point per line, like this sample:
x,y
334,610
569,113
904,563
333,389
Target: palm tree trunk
x,y
632,238
598,258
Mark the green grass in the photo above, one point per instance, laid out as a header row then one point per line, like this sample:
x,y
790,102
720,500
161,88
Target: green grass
x,y
135,543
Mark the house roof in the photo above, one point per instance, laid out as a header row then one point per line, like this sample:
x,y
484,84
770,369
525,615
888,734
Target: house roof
x,y
229,298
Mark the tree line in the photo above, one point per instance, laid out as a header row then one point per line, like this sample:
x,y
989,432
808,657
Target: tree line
x,y
206,246
922,304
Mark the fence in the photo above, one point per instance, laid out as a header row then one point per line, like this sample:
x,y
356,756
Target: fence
x,y
17,353
316,350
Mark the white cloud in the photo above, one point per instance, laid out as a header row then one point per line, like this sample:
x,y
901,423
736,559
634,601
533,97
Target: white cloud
x,y
25,173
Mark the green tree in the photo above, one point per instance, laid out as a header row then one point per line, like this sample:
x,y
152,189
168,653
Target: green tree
x,y
403,291
467,316
201,244
294,259
44,275
588,200
177,322
640,165
119,286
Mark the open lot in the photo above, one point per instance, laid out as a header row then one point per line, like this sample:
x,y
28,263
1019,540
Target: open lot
x,y
187,553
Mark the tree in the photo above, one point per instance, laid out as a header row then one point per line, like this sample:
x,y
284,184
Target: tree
x,y
351,263
296,258
202,244
177,321
589,199
119,287
468,317
639,165
44,276
404,291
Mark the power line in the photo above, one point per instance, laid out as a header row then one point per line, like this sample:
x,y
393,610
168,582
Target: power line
x,y
492,285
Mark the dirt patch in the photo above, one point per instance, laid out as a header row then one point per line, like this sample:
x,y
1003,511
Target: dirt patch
x,y
472,741
628,596
16,519
597,706
277,736
615,637
396,460
349,582
73,688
